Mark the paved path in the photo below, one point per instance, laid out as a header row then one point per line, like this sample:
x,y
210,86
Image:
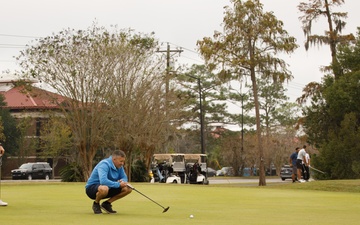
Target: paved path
x,y
254,181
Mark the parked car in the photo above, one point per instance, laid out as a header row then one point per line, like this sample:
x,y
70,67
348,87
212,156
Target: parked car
x,y
249,171
225,171
270,171
286,172
37,170
210,172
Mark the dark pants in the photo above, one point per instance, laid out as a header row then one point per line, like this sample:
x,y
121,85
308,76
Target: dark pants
x,y
306,172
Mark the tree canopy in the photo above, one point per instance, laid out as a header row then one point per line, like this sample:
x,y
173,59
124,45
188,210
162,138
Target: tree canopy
x,y
112,83
333,119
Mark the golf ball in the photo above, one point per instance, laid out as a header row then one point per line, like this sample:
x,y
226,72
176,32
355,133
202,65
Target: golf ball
x,y
191,216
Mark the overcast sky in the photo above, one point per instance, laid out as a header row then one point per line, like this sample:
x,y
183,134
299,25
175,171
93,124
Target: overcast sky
x,y
178,22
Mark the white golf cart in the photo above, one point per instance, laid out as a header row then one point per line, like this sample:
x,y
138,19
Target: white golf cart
x,y
196,165
165,167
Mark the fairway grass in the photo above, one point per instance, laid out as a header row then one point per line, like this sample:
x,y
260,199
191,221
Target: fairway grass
x,y
52,203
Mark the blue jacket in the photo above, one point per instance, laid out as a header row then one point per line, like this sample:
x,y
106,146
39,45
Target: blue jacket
x,y
105,173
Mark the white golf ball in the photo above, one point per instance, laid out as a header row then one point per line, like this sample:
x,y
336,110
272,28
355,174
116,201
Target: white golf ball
x,y
191,216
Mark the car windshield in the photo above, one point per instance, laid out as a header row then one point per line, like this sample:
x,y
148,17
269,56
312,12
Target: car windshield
x,y
25,166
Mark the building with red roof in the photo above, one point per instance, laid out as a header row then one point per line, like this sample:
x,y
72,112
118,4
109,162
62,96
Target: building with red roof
x,y
25,100
28,101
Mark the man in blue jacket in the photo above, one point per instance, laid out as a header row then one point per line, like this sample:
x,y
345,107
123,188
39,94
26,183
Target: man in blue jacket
x,y
108,180
292,161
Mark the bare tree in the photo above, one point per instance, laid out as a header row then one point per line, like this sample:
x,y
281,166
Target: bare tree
x,y
94,70
139,110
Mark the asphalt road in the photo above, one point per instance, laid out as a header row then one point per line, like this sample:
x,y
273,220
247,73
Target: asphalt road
x,y
234,180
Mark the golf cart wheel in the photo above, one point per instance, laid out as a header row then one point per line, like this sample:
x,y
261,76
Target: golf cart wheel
x,y
174,182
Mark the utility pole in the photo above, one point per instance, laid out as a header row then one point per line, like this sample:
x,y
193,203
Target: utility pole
x,y
201,118
202,135
168,68
168,52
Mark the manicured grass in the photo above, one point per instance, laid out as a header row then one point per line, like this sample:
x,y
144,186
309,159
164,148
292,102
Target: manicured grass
x,y
318,202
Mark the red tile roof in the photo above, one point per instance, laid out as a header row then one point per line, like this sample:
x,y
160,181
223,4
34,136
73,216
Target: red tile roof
x,y
36,98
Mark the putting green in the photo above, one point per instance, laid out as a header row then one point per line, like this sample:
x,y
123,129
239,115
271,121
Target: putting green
x,y
36,203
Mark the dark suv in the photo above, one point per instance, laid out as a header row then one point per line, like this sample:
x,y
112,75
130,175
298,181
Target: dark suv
x,y
37,170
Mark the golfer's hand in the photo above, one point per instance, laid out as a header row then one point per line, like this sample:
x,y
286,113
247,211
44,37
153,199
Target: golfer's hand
x,y
122,183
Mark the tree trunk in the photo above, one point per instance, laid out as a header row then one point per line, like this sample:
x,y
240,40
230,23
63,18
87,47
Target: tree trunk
x,y
262,180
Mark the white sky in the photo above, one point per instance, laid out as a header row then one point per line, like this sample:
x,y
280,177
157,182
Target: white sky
x,y
179,22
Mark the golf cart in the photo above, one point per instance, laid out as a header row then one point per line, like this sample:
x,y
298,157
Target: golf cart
x,y
196,168
164,169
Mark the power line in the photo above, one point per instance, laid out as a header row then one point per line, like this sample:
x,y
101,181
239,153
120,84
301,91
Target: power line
x,y
18,36
184,48
197,60
11,46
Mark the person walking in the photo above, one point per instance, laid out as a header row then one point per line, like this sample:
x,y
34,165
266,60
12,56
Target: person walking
x,y
2,152
292,162
108,180
299,162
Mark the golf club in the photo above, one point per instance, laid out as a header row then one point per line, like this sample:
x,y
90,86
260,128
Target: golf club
x,y
317,170
165,209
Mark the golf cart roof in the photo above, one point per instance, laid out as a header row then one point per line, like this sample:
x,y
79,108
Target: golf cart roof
x,y
195,156
166,156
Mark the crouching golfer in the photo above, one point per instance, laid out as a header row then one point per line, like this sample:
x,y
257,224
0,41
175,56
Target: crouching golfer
x,y
108,180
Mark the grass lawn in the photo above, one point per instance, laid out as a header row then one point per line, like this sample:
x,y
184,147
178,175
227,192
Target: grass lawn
x,y
318,202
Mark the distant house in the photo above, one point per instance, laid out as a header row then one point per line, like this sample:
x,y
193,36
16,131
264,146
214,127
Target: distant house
x,y
30,102
23,102
34,103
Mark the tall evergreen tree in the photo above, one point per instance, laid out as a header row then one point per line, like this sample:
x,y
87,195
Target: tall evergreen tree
x,y
248,46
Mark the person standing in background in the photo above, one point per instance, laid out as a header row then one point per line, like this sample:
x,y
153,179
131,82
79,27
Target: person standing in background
x,y
2,151
306,166
292,162
299,163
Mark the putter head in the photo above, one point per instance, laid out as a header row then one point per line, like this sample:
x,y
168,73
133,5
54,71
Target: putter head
x,y
166,209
